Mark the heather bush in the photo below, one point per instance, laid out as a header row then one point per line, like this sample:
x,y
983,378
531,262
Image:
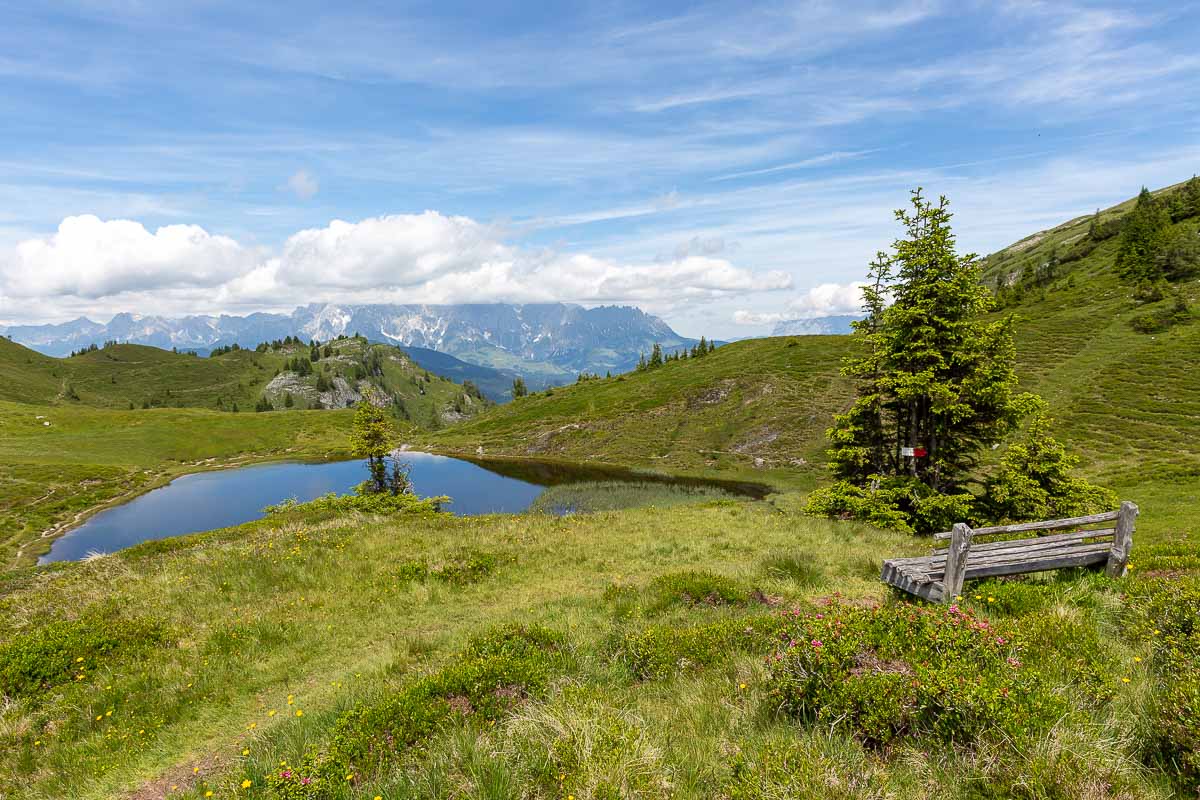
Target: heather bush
x,y
908,671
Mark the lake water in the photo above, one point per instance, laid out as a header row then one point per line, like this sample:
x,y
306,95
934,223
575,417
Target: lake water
x,y
209,500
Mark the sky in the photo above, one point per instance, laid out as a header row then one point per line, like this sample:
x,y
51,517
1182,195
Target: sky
x,y
724,165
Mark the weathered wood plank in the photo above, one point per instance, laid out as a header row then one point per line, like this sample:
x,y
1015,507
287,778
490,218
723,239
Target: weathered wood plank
x,y
1122,543
1004,544
937,562
1049,525
1081,559
956,560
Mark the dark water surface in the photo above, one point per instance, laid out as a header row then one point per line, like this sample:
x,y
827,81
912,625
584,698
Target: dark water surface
x,y
208,500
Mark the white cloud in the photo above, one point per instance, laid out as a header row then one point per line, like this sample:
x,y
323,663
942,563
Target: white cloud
x,y
92,258
303,184
826,300
428,257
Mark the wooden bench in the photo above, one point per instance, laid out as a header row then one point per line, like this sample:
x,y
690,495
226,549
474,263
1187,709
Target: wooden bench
x,y
939,577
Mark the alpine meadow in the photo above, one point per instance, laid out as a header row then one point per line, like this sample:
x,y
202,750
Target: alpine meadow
x,y
464,402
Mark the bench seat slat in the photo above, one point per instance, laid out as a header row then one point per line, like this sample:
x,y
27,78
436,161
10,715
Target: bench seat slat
x,y
1054,524
933,567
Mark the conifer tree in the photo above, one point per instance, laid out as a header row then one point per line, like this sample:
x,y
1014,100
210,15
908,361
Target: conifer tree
x,y
656,356
518,387
1143,235
371,438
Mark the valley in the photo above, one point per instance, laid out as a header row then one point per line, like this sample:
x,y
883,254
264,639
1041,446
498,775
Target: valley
x,y
667,640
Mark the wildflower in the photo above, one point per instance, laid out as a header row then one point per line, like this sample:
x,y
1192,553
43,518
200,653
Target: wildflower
x,y
271,713
208,793
291,700
252,726
246,784
741,686
79,659
246,751
1157,631
350,777
1137,659
991,599
38,743
1124,680
299,713
817,643
195,770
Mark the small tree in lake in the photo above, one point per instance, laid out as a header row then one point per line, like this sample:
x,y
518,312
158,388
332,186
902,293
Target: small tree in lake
x,y
372,438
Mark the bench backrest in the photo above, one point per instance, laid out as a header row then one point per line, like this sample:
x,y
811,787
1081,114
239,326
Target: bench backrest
x,y
962,537
1049,525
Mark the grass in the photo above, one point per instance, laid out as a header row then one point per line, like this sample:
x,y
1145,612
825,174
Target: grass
x,y
377,654
646,691
52,476
127,376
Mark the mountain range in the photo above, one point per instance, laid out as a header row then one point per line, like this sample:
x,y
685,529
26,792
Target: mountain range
x,y
547,343
816,326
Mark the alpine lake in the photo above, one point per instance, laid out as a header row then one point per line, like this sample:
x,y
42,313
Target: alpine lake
x,y
206,501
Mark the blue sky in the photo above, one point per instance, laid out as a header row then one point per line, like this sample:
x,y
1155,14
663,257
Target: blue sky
x,y
725,165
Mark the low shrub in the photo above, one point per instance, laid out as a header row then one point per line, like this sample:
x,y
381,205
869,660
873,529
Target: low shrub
x,y
1165,614
461,567
465,566
899,503
374,503
67,650
496,671
693,587
894,671
662,650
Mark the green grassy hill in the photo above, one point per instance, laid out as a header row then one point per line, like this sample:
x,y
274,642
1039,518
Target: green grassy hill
x,y
760,404
128,375
1127,402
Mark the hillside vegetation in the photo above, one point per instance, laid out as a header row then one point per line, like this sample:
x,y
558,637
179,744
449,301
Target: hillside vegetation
x,y
53,475
136,376
652,653
1127,402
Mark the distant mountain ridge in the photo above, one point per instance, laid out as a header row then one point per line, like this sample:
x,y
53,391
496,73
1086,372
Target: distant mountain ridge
x,y
817,326
553,341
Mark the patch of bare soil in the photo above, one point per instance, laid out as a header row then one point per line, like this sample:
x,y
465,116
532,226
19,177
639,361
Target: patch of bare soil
x,y
179,778
868,662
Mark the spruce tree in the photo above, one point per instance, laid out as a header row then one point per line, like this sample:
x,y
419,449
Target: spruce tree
x,y
656,356
518,387
933,378
1143,236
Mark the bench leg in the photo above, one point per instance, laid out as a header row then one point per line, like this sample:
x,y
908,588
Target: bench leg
x,y
956,562
1118,555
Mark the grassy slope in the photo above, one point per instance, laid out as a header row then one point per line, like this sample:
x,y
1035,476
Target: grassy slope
x,y
315,609
304,614
51,475
762,398
1127,403
96,451
127,374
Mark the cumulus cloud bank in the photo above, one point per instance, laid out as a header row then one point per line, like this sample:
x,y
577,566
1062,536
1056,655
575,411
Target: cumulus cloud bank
x,y
826,300
428,257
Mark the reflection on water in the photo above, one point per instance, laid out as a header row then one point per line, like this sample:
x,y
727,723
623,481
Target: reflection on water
x,y
220,499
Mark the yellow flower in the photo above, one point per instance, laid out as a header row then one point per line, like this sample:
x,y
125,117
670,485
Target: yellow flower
x,y
1157,631
108,713
246,752
208,793
1124,680
1137,659
271,713
246,784
350,777
195,770
79,659
741,686
378,797
38,743
252,726
99,717
299,713
991,599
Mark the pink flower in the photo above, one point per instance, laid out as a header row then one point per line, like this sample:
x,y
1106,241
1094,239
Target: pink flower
x,y
287,773
817,643
820,616
1000,640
